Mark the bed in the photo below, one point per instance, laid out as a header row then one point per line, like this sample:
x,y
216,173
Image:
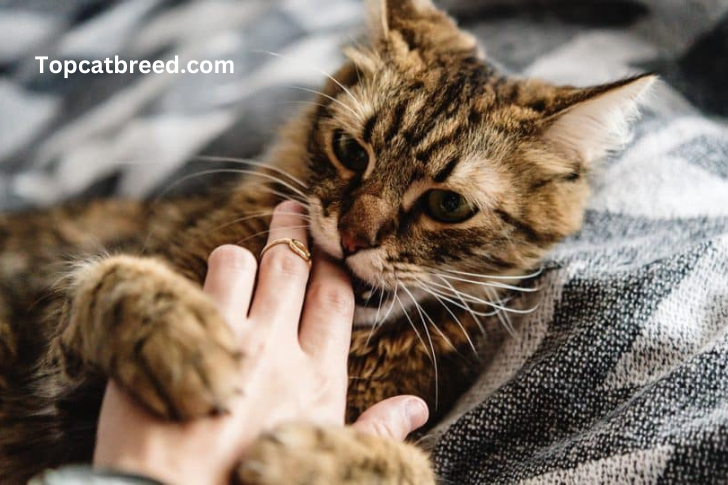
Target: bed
x,y
619,374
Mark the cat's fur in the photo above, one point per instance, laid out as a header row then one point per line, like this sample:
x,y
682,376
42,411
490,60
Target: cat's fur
x,y
431,112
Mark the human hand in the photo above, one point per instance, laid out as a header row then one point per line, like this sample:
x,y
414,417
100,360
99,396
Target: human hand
x,y
295,339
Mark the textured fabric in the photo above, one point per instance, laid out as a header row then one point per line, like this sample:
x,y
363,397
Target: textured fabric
x,y
619,374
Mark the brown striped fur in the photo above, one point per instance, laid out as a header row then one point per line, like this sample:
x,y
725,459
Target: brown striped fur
x,y
431,112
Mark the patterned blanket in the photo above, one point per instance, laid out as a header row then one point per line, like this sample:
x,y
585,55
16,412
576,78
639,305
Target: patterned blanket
x,y
621,373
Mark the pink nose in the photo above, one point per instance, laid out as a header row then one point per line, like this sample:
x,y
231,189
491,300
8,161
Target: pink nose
x,y
366,223
352,243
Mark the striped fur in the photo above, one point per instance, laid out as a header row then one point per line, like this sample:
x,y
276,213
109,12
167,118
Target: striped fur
x,y
431,113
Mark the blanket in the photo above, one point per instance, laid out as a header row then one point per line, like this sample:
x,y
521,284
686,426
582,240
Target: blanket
x,y
619,375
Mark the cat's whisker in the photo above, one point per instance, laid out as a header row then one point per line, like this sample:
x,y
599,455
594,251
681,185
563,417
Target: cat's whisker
x,y
379,306
462,296
412,324
391,305
457,320
257,215
233,171
374,288
343,105
469,309
378,323
371,331
282,195
475,299
505,315
429,339
434,325
254,163
490,283
301,103
493,277
465,306
506,322
319,70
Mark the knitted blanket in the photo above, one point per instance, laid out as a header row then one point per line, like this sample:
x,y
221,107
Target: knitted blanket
x,y
620,375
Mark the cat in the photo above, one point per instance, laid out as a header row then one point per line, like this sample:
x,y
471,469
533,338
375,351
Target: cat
x,y
436,180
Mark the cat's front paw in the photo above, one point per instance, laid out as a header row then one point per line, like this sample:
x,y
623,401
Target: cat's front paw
x,y
306,454
156,334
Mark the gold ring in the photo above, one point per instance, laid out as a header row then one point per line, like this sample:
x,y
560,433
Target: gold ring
x,y
294,244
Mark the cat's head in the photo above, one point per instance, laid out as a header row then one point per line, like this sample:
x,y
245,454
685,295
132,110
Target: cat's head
x,y
428,167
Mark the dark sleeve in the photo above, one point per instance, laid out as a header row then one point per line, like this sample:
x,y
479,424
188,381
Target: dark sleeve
x,y
86,475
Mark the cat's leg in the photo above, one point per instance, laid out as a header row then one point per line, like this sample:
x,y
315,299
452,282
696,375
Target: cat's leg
x,y
306,454
153,331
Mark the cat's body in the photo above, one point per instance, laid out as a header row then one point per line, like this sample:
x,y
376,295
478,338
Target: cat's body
x,y
428,173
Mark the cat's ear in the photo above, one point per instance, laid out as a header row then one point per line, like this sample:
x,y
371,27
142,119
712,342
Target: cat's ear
x,y
591,122
419,24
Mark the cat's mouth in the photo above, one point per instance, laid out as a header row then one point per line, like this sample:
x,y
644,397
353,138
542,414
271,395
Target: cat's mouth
x,y
367,295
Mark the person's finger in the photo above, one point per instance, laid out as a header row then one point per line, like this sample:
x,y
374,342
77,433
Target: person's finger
x,y
283,274
393,418
230,281
328,313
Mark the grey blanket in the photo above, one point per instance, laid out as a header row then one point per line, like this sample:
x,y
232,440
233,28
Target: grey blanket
x,y
621,373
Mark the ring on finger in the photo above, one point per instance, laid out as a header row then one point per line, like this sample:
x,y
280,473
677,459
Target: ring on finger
x,y
293,244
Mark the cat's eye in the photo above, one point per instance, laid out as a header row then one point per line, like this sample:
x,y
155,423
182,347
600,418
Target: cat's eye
x,y
349,152
448,206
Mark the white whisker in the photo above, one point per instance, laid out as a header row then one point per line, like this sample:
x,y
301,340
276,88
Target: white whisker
x,y
412,324
378,323
346,90
493,277
429,339
256,215
489,283
464,306
254,163
230,170
469,309
343,105
474,299
457,320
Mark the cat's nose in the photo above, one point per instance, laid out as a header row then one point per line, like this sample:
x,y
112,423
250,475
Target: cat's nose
x,y
351,243
365,224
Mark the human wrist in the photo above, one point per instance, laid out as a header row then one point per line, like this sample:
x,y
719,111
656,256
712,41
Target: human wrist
x,y
160,466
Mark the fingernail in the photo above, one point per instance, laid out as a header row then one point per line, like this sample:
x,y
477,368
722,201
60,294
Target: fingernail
x,y
417,413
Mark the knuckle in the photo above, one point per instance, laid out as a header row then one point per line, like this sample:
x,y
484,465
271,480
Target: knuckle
x,y
286,262
381,428
230,255
338,299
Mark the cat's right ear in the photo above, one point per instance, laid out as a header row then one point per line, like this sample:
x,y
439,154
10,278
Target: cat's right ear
x,y
591,122
419,25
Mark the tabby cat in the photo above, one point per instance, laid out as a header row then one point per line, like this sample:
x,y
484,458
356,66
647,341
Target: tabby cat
x,y
435,179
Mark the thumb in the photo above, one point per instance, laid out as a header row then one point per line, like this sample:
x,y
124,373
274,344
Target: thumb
x,y
393,418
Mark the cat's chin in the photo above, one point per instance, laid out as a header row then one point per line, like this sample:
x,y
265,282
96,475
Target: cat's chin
x,y
376,307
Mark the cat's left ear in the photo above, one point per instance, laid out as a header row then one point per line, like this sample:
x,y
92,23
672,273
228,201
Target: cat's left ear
x,y
419,24
591,122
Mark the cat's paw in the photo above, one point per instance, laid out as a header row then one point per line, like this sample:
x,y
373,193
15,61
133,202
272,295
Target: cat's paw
x,y
306,454
157,335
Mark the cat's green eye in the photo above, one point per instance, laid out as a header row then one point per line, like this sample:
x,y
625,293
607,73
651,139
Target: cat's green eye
x,y
349,152
448,206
